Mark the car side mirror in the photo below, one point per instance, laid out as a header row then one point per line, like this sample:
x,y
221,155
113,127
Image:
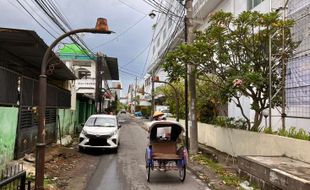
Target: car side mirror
x,y
82,124
119,126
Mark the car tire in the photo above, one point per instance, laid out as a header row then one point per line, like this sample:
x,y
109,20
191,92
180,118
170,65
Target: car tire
x,y
115,150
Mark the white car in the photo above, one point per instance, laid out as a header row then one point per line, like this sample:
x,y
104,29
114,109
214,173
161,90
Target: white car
x,y
100,131
166,114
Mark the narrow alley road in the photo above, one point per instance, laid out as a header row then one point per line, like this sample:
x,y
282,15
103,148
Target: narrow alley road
x,y
126,169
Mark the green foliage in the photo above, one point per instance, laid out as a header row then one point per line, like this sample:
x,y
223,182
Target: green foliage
x,y
146,111
291,132
120,106
236,48
268,130
229,178
229,122
207,101
294,133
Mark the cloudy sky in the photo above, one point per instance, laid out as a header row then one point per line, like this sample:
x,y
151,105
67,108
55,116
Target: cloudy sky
x,y
130,22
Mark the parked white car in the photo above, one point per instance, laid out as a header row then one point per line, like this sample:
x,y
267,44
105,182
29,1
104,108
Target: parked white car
x,y
166,114
100,131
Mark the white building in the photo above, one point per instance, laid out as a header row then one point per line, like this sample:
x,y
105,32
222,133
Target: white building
x,y
297,9
84,68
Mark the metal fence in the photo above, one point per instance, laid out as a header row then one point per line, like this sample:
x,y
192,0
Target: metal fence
x,y
298,67
14,178
9,84
56,97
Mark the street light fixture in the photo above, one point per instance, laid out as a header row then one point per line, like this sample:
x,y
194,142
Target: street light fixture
x,y
101,28
152,15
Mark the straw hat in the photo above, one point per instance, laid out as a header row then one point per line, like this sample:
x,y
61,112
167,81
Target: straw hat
x,y
158,114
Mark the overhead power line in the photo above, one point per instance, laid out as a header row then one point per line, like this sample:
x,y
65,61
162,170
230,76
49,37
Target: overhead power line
x,y
35,18
172,36
133,8
56,16
120,34
138,55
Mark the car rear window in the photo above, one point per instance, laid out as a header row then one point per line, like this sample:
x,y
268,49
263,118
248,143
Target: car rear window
x,y
101,122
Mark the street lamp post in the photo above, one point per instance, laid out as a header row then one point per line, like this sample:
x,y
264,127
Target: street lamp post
x,y
176,96
101,27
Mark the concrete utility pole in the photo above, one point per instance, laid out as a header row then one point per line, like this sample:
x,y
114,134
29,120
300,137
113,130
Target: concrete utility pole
x,y
135,98
153,98
270,74
191,81
98,92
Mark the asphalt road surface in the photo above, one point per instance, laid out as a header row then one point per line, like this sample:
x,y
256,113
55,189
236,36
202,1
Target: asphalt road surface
x,y
125,170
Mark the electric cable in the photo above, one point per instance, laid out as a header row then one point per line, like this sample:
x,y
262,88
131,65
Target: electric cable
x,y
138,55
133,8
55,17
120,34
35,19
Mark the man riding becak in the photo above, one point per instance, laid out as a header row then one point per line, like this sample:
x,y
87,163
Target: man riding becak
x,y
157,116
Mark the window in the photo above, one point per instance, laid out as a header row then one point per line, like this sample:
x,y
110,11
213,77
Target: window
x,y
101,122
83,73
163,133
253,3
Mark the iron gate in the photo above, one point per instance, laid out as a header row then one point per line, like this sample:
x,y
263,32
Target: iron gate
x,y
13,178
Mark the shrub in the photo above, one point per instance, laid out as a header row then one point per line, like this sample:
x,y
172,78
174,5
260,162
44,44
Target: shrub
x,y
294,133
230,122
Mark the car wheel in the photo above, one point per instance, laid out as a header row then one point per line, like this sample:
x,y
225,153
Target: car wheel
x,y
115,150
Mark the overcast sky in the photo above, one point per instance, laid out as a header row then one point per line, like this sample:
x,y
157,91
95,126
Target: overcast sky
x,y
83,14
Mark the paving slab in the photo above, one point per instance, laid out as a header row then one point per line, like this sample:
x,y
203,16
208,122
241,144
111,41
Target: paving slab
x,y
276,172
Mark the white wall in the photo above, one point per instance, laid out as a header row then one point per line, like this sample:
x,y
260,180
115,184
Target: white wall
x,y
240,142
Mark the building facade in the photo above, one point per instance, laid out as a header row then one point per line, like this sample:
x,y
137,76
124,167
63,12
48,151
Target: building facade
x,y
298,111
21,53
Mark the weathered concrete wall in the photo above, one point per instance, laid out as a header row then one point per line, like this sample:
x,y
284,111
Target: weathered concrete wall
x,y
8,125
67,121
240,142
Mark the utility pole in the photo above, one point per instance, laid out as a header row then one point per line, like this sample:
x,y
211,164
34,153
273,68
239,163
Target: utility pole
x,y
191,81
98,92
186,90
135,98
270,75
131,95
283,114
153,99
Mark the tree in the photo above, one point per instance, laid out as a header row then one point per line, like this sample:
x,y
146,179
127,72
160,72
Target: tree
x,y
170,98
232,54
207,101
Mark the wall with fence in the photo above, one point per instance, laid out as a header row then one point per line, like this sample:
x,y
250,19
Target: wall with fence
x,y
8,126
240,142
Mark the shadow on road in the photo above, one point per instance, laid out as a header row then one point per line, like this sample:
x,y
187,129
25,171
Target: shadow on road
x,y
97,152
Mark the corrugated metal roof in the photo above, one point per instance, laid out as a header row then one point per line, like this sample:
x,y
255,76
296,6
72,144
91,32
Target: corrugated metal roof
x,y
29,50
